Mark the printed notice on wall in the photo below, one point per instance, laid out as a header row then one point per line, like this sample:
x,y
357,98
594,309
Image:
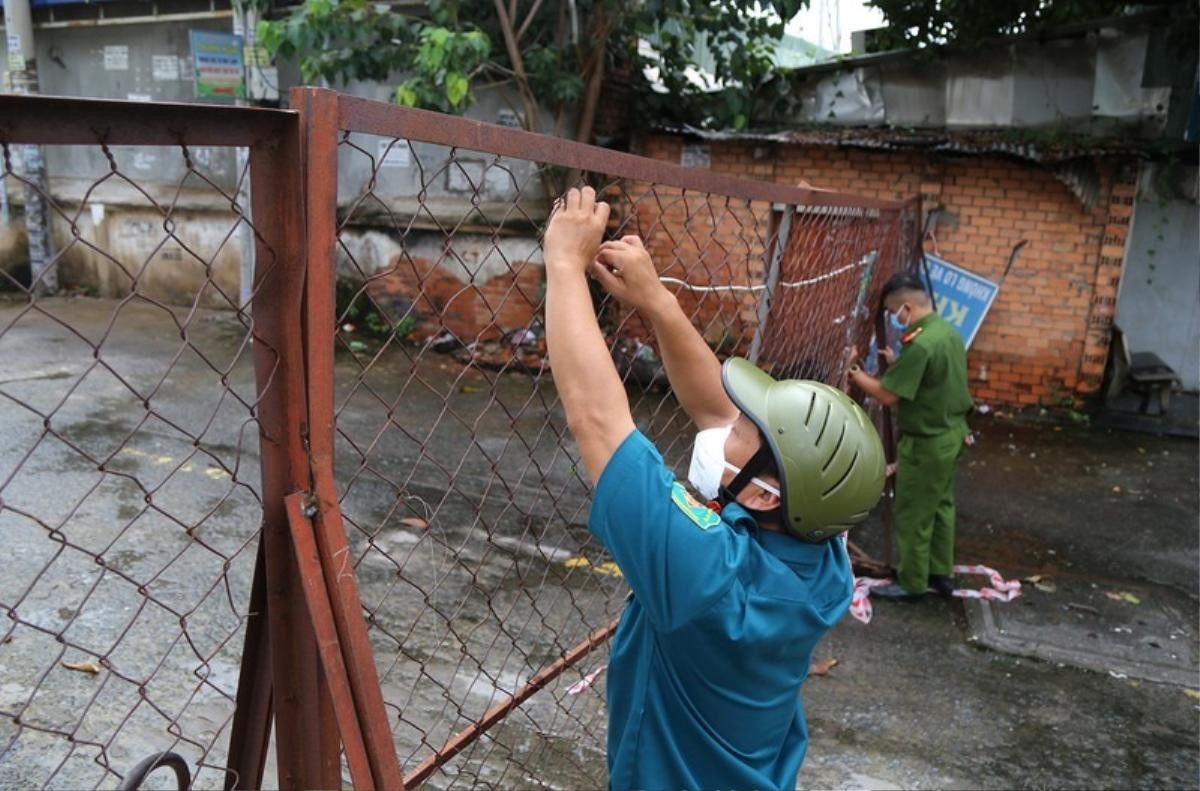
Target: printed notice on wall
x,y
217,65
393,154
465,176
116,57
16,59
696,155
508,117
165,68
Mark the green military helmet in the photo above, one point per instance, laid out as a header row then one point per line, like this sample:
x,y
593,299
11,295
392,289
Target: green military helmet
x,y
828,455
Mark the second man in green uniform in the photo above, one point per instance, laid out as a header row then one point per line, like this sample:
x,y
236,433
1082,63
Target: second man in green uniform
x,y
927,382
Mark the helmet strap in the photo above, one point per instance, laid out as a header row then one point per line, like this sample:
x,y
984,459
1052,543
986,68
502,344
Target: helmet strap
x,y
761,460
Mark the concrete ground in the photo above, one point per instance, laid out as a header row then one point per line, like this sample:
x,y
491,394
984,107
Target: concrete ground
x,y
913,702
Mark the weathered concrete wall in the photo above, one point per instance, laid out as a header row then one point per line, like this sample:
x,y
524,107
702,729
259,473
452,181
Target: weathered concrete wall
x,y
1158,307
111,251
118,232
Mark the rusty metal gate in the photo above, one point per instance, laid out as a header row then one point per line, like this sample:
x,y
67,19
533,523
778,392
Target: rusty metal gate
x,y
404,591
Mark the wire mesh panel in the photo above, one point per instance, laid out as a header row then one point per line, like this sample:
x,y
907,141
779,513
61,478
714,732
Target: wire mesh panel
x,y
156,420
459,483
130,501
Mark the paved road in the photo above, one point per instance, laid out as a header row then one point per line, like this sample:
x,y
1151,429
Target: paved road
x,y
469,543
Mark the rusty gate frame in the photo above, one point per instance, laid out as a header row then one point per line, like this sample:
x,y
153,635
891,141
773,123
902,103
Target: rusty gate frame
x,y
307,663
327,117
285,685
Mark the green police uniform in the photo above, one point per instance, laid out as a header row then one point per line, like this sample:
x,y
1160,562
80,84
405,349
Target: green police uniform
x,y
930,377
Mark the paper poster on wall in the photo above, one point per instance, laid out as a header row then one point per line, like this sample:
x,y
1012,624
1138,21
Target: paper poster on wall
x,y
16,58
262,82
465,176
391,154
217,66
696,155
116,57
164,68
508,117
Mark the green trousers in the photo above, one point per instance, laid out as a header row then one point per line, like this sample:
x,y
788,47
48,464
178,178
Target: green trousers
x,y
924,511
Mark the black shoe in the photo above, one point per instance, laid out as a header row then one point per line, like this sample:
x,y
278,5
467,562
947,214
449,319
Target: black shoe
x,y
894,592
942,584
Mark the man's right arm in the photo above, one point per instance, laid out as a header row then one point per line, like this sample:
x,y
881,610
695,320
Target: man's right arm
x,y
900,382
625,269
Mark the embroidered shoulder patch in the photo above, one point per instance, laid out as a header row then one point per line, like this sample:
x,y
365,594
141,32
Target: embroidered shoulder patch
x,y
692,508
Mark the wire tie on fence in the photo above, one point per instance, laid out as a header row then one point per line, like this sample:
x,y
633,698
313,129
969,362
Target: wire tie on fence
x,y
187,156
108,154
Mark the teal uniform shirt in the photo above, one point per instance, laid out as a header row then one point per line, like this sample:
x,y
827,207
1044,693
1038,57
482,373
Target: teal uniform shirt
x,y
707,663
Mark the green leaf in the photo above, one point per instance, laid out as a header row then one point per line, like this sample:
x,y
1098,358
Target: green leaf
x,y
457,86
406,95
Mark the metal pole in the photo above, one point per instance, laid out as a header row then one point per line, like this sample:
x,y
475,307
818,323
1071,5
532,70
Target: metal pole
x,y
775,252
22,79
889,453
319,112
306,738
244,20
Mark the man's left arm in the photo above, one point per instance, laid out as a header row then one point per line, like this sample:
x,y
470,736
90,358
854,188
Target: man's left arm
x,y
587,381
872,387
867,383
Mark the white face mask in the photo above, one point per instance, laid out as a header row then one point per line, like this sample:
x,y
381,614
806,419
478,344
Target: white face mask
x,y
708,463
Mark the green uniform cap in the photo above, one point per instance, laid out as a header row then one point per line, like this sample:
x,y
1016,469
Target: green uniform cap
x,y
828,455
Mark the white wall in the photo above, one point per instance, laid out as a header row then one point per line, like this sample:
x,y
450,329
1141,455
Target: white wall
x,y
1158,306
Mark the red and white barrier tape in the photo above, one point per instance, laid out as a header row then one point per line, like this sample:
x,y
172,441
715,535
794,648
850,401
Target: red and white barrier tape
x,y
585,683
860,601
999,590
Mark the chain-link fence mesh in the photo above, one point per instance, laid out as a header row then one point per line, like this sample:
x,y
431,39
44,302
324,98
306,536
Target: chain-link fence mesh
x,y
130,492
460,486
130,502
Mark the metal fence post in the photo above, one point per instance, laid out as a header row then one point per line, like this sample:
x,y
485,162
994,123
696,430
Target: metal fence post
x,y
319,120
307,747
251,730
775,252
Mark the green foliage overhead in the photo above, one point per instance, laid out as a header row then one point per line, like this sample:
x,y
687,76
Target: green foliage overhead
x,y
966,23
438,59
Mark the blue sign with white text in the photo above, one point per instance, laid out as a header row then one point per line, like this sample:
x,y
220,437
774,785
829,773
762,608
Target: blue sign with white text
x,y
962,298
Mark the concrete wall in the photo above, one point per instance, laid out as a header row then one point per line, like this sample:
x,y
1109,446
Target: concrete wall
x,y
1158,307
119,234
86,61
1095,85
392,188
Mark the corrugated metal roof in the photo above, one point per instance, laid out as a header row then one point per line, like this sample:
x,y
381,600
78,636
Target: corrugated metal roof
x,y
963,142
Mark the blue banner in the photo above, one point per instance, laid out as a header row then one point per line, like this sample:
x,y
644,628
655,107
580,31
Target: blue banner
x,y
962,298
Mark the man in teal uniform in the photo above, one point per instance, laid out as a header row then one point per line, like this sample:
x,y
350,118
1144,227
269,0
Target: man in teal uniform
x,y
928,384
729,599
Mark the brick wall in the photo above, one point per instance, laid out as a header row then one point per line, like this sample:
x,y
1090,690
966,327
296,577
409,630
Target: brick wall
x,y
703,240
1047,335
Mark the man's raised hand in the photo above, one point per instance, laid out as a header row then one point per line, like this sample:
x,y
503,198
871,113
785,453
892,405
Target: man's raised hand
x,y
626,271
574,233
